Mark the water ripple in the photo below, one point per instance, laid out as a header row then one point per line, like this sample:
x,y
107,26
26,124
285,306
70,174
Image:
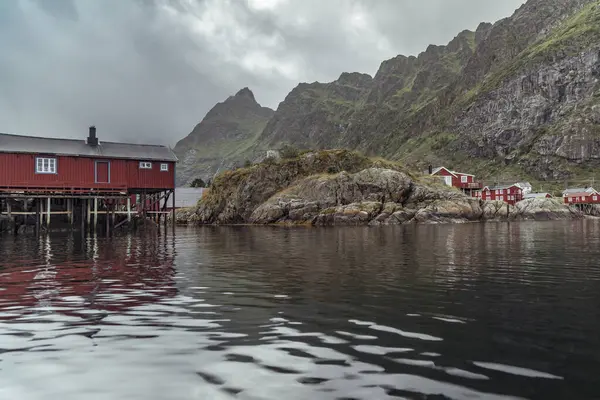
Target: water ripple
x,y
494,311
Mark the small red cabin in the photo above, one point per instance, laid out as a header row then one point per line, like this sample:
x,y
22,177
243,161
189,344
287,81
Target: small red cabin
x,y
460,180
457,179
83,166
510,194
582,198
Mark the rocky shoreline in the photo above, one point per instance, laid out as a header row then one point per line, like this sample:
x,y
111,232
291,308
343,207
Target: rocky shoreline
x,y
338,187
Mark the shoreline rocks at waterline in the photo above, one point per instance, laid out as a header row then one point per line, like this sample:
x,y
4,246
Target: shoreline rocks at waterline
x,y
344,188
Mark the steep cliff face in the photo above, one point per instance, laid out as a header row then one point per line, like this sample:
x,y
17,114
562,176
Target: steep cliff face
x,y
316,115
518,99
222,138
531,105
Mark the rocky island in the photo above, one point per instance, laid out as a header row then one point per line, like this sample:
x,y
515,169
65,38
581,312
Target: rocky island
x,y
341,187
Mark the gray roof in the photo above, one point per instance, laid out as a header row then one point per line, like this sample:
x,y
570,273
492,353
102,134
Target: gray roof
x,y
578,190
536,195
72,147
501,187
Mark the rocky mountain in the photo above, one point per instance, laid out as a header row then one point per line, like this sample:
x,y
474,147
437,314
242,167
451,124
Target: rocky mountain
x,y
222,137
516,99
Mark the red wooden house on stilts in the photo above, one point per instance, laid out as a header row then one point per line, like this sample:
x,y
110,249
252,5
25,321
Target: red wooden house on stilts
x,y
84,178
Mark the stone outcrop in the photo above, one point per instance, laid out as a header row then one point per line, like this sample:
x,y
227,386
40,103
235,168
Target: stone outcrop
x,y
308,190
541,209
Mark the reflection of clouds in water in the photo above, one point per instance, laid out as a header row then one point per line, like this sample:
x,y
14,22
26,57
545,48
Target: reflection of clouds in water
x,y
314,314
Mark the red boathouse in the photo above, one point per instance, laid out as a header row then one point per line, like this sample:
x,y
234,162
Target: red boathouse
x,y
76,171
589,197
510,194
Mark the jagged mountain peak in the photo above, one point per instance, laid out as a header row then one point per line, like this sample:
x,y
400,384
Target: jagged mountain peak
x,y
512,92
245,92
354,79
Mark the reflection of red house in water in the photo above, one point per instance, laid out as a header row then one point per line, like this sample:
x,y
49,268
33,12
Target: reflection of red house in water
x,y
112,281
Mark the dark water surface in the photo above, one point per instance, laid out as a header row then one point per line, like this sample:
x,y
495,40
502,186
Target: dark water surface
x,y
488,311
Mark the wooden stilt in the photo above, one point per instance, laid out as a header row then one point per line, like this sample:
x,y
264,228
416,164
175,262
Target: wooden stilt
x,y
41,212
88,204
144,204
82,203
48,212
173,212
95,212
11,221
112,216
70,210
106,218
128,209
164,208
38,218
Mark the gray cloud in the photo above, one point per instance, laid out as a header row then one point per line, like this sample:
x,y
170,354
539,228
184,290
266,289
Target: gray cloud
x,y
148,70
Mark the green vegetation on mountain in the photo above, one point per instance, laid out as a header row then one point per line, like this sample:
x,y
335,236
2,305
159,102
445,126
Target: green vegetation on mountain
x,y
514,100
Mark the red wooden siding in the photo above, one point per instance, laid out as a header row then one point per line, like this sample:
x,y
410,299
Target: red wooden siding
x,y
463,181
18,170
510,195
102,172
582,198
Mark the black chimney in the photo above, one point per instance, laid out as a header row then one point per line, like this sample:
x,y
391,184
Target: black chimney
x,y
92,140
430,169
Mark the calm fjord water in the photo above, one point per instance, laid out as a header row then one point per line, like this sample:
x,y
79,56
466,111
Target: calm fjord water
x,y
488,311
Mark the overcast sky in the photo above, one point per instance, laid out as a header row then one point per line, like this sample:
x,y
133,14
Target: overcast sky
x,y
149,70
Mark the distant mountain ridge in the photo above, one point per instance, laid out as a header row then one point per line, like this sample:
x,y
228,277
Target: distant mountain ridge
x,y
222,137
518,98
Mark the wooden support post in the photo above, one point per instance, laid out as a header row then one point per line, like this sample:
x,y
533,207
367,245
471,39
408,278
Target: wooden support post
x,y
83,208
129,209
95,212
157,207
164,208
48,212
12,225
41,211
37,215
107,219
70,210
88,205
144,205
112,216
173,212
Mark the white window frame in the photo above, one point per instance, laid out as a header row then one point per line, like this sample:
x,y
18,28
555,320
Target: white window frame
x,y
464,179
145,165
164,167
595,198
46,165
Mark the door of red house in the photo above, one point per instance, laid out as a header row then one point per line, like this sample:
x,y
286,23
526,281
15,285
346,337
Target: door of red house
x,y
102,172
